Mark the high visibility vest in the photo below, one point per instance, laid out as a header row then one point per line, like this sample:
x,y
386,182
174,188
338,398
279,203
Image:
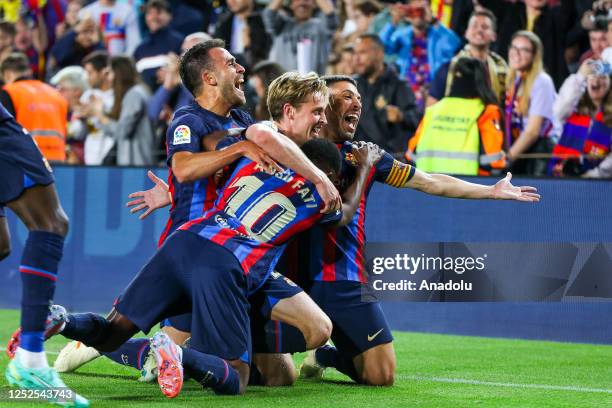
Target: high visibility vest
x,y
450,140
43,112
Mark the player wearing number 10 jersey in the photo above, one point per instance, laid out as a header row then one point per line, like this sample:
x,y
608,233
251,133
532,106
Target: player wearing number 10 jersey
x,y
208,268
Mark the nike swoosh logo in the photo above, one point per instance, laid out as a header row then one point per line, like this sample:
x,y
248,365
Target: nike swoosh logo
x,y
372,337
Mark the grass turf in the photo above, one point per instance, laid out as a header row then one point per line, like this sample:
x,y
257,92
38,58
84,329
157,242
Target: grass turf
x,y
432,371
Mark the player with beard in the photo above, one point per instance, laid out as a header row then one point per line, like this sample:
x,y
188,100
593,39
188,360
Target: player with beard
x,y
332,269
213,76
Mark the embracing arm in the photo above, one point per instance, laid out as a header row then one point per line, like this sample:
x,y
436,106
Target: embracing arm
x,y
286,152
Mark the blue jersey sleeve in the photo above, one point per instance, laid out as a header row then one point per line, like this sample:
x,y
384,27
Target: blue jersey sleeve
x,y
185,135
393,172
229,140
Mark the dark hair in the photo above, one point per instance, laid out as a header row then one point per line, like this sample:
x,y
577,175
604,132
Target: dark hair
x,y
98,59
374,38
470,81
600,24
194,61
486,13
332,79
267,71
125,76
162,5
324,154
368,7
15,62
8,28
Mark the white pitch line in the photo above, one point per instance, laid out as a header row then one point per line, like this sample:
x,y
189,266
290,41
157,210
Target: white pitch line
x,y
508,385
2,349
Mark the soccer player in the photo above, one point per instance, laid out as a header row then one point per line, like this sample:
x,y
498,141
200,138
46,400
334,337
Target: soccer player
x,y
27,188
208,267
335,276
213,76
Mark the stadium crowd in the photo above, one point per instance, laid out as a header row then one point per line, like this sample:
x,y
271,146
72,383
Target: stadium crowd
x,y
472,87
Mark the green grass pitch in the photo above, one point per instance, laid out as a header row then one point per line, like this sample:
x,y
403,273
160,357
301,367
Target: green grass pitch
x,y
432,371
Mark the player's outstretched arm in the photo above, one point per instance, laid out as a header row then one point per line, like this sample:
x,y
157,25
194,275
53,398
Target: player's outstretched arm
x,y
150,200
286,152
448,186
188,166
366,155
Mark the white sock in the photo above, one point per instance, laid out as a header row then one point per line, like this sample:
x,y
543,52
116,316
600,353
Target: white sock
x,y
32,359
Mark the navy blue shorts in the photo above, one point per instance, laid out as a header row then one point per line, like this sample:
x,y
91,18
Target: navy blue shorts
x,y
190,274
22,166
276,288
358,320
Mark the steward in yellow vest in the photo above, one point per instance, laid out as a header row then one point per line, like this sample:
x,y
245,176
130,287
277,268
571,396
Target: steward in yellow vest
x,y
461,135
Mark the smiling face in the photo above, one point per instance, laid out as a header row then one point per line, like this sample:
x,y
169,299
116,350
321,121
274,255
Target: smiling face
x,y
480,32
157,18
520,54
229,76
308,119
343,112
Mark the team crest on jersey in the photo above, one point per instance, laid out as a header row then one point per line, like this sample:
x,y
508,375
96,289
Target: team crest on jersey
x,y
182,135
350,158
222,221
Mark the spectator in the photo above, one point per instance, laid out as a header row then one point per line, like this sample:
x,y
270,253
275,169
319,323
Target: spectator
x,y
480,34
71,82
302,41
598,41
118,23
343,65
364,12
461,134
75,45
31,40
7,38
151,54
71,18
127,123
421,48
389,115
530,96
584,107
96,65
242,28
37,107
262,76
537,17
607,54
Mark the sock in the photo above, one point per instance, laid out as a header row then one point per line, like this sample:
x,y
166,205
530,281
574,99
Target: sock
x,y
255,377
88,328
329,356
211,371
132,353
39,262
30,351
283,338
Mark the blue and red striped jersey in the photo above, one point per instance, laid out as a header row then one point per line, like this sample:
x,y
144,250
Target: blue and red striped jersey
x,y
337,254
257,213
191,123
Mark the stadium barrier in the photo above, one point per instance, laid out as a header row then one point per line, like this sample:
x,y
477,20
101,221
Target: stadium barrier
x,y
106,247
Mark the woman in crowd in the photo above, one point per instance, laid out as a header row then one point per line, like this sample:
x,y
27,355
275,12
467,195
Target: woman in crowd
x,y
461,134
530,96
127,122
584,107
